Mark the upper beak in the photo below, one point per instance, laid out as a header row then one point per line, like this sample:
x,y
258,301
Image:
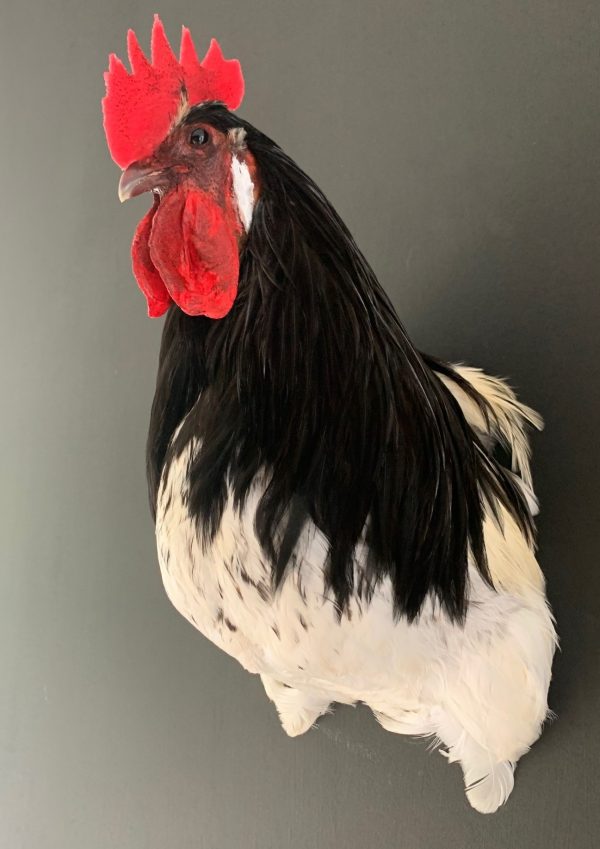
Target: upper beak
x,y
136,180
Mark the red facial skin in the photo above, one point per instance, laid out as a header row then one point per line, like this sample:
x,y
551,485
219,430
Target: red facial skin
x,y
186,249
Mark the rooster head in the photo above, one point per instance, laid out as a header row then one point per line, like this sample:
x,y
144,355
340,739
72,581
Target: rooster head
x,y
186,249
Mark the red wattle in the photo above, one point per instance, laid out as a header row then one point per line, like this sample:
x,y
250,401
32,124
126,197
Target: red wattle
x,y
148,278
193,246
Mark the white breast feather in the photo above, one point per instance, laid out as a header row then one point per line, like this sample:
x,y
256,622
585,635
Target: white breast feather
x,y
480,688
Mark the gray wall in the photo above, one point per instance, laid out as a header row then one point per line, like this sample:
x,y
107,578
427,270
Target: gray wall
x,y
460,141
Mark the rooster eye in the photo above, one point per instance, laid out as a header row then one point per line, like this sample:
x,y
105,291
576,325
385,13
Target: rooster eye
x,y
198,136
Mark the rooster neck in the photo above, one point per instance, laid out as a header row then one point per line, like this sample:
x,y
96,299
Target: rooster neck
x,y
311,381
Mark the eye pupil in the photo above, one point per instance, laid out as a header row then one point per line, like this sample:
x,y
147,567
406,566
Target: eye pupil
x,y
199,136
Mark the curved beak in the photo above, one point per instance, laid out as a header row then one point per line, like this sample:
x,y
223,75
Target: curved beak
x,y
135,180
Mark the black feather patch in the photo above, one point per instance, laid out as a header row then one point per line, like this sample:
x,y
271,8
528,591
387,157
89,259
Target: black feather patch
x,y
312,380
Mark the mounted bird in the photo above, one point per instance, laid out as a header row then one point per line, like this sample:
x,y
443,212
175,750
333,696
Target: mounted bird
x,y
330,505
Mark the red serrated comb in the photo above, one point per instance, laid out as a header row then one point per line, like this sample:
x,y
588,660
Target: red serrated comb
x,y
139,107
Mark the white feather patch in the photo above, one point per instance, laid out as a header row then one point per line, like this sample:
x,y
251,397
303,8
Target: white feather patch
x,y
479,688
243,188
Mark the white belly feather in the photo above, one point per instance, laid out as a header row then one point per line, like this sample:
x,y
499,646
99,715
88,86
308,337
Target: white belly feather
x,y
496,665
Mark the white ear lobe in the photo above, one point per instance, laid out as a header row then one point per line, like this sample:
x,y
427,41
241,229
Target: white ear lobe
x,y
237,138
243,190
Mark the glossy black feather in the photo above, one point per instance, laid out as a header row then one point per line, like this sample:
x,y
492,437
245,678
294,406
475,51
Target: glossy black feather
x,y
311,379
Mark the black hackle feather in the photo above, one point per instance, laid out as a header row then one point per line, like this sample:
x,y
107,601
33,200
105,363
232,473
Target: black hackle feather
x,y
311,381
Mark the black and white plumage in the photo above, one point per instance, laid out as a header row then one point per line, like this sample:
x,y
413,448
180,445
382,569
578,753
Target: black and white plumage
x,y
329,508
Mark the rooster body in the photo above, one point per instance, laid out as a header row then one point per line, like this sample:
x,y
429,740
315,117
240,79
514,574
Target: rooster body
x,y
479,689
330,509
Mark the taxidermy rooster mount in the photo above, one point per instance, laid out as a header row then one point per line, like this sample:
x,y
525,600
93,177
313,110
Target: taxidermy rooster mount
x,y
329,508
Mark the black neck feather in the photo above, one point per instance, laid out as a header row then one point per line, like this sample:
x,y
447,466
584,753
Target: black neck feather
x,y
312,378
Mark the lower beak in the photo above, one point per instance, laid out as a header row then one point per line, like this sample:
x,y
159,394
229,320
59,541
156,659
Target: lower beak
x,y
136,180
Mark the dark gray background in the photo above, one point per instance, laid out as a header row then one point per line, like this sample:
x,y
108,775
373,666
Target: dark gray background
x,y
461,143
